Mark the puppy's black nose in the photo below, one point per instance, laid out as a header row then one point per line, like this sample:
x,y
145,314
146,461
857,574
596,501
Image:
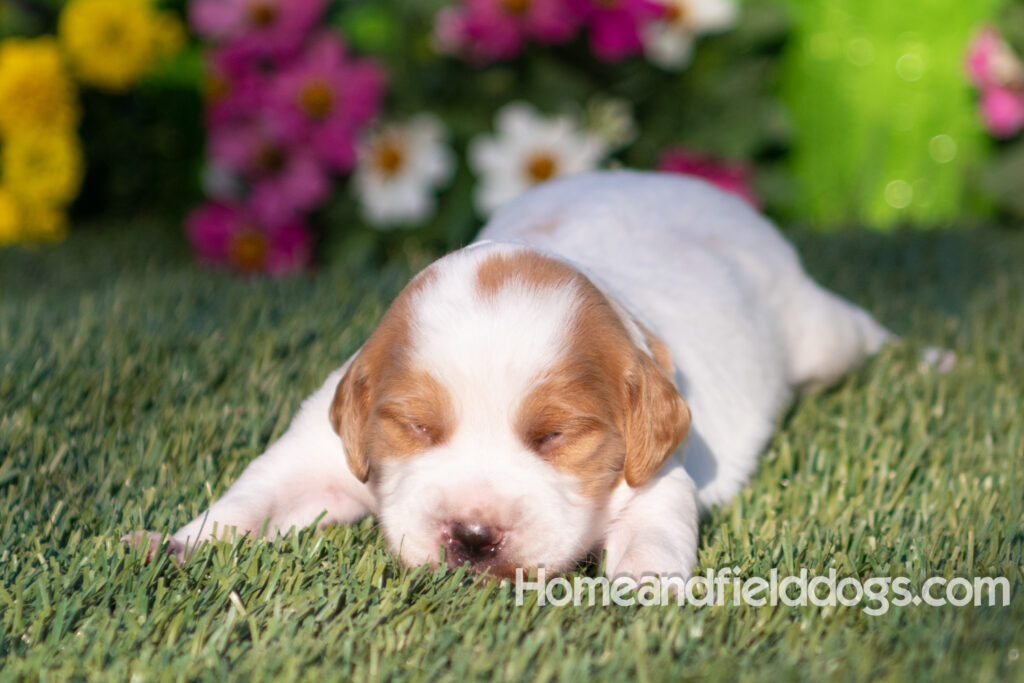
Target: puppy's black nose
x,y
473,542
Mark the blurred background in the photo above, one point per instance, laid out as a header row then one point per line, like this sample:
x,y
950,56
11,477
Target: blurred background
x,y
274,135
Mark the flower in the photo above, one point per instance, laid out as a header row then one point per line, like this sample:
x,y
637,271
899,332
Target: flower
x,y
10,217
230,235
529,149
42,167
271,28
999,73
1002,110
328,97
232,90
110,44
616,25
286,178
497,29
668,40
991,62
400,166
35,91
734,177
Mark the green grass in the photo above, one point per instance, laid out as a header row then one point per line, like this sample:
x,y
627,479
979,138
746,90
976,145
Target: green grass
x,y
134,387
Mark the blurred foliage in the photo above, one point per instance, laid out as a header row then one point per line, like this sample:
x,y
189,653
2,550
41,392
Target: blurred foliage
x,y
721,104
1003,178
143,148
873,86
871,90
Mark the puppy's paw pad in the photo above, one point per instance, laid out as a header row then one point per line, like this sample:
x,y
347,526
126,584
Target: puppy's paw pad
x,y
153,542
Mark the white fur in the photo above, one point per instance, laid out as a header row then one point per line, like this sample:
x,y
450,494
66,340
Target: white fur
x,y
698,267
488,354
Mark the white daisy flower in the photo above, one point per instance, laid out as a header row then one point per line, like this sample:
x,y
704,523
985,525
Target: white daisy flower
x,y
399,168
527,150
668,41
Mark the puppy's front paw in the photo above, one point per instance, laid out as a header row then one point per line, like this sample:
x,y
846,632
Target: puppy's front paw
x,y
649,559
153,542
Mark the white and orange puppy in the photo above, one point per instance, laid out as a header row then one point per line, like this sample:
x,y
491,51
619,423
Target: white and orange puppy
x,y
607,360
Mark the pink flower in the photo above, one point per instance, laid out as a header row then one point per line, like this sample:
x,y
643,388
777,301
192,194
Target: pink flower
x,y
616,25
228,234
232,90
1002,110
991,62
734,177
497,29
267,27
328,97
285,175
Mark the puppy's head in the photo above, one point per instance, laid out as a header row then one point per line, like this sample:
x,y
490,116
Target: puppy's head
x,y
496,407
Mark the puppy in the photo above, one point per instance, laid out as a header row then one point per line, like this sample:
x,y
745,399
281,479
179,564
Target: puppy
x,y
606,361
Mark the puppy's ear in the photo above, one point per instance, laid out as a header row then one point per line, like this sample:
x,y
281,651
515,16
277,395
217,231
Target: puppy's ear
x,y
657,418
350,413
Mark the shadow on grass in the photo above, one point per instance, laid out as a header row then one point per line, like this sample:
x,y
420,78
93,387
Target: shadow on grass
x,y
910,273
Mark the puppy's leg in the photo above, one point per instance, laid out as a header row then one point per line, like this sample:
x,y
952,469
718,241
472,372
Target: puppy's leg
x,y
826,336
653,529
300,477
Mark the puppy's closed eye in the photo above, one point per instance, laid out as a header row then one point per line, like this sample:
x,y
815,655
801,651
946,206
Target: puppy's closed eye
x,y
547,439
552,440
402,428
415,427
545,442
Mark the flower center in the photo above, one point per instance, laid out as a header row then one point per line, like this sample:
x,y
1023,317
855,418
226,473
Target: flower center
x,y
677,13
111,32
262,14
516,6
270,159
540,167
248,249
388,157
317,99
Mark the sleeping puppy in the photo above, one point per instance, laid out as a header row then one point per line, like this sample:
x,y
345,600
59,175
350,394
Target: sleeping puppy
x,y
606,361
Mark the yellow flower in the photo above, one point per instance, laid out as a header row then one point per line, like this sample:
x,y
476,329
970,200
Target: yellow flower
x,y
42,168
35,91
110,44
10,217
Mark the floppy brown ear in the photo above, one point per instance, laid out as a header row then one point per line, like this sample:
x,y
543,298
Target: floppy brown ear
x,y
657,420
350,412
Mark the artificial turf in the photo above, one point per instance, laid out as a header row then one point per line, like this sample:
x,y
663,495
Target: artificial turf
x,y
135,386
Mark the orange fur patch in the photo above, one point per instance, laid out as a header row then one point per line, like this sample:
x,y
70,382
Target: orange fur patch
x,y
413,408
608,410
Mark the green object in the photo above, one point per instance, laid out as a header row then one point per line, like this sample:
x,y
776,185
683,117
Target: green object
x,y
370,28
886,124
135,386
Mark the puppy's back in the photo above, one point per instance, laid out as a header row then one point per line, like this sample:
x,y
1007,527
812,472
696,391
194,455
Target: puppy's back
x,y
718,283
